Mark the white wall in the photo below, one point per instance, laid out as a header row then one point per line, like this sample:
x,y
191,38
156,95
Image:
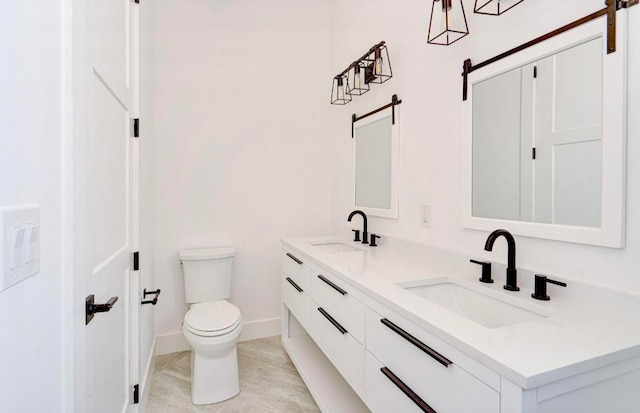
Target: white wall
x,y
32,80
427,79
243,144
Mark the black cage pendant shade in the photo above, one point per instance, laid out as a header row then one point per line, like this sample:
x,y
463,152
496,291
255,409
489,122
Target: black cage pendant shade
x,y
340,90
377,65
358,79
494,7
448,22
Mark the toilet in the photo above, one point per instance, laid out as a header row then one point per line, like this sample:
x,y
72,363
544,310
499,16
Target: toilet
x,y
212,325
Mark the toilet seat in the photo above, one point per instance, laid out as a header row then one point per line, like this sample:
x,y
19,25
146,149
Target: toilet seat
x,y
213,318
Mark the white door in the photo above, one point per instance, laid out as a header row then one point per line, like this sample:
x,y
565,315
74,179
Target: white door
x,y
104,208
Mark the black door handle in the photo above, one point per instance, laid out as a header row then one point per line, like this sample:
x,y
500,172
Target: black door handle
x,y
91,307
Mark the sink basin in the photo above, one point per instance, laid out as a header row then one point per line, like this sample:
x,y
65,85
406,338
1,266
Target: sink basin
x,y
334,247
489,308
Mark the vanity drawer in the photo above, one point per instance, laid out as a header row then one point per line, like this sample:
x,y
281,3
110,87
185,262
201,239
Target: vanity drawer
x,y
296,299
335,296
426,365
338,341
295,268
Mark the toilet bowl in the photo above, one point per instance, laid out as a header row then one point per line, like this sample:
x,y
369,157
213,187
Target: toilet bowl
x,y
212,325
212,329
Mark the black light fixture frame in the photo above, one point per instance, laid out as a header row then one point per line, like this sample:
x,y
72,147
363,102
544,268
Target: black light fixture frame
x,y
478,10
365,62
432,40
611,6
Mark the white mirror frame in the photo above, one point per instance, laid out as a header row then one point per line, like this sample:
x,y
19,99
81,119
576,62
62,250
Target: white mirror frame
x,y
614,125
380,212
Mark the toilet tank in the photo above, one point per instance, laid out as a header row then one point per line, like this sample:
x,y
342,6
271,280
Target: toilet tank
x,y
207,274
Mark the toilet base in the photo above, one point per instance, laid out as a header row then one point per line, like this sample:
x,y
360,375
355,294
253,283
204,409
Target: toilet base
x,y
214,379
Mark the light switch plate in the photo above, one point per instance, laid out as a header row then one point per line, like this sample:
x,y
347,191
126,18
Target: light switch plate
x,y
19,244
425,216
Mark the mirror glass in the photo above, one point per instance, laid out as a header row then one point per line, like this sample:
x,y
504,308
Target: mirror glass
x,y
537,129
544,139
375,177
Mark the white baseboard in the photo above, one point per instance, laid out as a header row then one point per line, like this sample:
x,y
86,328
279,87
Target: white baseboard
x,y
251,330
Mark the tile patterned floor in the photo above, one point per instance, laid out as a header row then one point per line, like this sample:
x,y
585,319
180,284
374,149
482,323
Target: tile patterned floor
x,y
269,383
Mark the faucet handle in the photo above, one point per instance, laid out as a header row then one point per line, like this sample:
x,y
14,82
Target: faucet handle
x,y
486,271
356,235
373,240
540,292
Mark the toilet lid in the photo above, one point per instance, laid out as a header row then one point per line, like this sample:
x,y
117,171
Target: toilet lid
x,y
212,316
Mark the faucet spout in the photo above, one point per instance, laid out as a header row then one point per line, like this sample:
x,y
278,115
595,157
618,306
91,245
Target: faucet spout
x,y
512,273
365,234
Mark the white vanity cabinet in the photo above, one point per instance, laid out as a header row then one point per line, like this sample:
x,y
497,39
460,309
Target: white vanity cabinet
x,y
360,350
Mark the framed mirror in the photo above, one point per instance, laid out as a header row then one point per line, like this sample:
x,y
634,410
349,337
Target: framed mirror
x,y
375,184
544,140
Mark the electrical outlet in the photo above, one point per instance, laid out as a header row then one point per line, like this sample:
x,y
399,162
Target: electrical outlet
x,y
425,216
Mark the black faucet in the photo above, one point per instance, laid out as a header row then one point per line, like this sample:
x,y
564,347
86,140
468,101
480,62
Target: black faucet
x,y
365,234
512,273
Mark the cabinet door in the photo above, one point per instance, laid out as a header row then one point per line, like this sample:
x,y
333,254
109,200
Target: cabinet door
x,y
296,269
335,296
338,341
429,370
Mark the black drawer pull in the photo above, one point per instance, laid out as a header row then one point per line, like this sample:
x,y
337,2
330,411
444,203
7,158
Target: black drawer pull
x,y
332,321
294,258
332,285
407,391
294,284
411,339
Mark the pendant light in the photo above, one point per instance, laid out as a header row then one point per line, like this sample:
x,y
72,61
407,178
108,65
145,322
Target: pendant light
x,y
448,22
494,7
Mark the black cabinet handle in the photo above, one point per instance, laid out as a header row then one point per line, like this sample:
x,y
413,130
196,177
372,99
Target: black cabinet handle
x,y
332,321
294,258
411,339
332,285
407,391
91,307
155,299
294,284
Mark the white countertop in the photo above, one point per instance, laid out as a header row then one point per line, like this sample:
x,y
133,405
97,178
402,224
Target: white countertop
x,y
591,326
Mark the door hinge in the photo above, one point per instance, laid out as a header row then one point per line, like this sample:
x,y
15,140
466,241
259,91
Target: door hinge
x,y
136,1
533,153
136,261
535,72
136,394
136,128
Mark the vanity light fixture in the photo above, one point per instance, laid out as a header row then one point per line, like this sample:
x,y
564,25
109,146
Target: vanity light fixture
x,y
372,67
494,7
340,91
448,24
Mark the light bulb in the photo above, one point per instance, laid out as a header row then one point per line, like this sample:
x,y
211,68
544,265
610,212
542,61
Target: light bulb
x,y
357,77
340,89
377,66
448,22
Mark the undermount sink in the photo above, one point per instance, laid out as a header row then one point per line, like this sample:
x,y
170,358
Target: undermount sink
x,y
489,308
334,247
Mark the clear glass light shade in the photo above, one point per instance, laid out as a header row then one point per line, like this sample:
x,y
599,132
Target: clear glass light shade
x,y
494,7
448,22
340,90
377,66
358,79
